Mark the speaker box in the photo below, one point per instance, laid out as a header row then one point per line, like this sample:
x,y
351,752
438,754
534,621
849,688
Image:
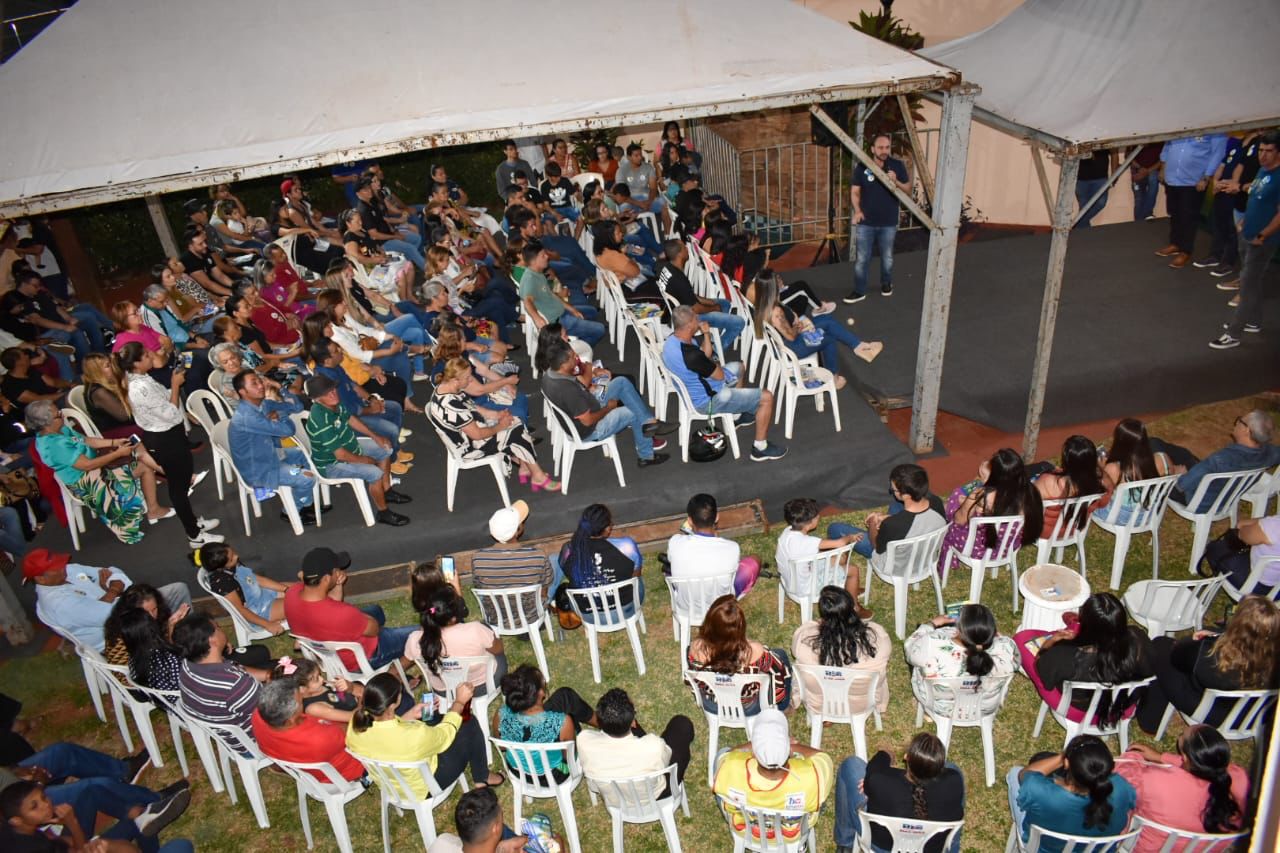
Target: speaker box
x,y
823,137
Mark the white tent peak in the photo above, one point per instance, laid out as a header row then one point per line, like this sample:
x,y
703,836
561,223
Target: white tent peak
x,y
127,99
1103,73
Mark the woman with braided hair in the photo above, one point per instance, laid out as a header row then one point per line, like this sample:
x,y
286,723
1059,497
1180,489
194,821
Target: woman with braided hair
x,y
1075,792
1170,785
595,557
926,787
445,633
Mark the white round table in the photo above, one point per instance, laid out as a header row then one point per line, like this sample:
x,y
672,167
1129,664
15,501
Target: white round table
x,y
1049,590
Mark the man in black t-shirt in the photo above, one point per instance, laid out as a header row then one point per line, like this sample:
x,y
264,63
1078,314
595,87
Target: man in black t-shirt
x,y
673,282
559,192
1230,198
199,262
22,385
29,312
379,229
875,218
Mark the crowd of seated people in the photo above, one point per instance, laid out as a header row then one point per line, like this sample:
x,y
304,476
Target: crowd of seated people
x,y
350,350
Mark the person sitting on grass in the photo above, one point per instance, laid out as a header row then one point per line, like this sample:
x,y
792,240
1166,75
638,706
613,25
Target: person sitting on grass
x,y
1074,792
722,646
478,819
284,729
699,551
529,715
28,811
797,542
622,749
840,638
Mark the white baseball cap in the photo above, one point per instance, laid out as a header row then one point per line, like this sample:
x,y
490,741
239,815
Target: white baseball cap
x,y
771,739
505,523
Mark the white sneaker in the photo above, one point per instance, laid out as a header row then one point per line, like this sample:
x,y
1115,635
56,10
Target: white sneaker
x,y
421,377
197,480
208,523
824,308
204,539
405,433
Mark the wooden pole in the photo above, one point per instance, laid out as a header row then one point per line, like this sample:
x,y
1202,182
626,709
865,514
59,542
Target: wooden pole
x,y
155,207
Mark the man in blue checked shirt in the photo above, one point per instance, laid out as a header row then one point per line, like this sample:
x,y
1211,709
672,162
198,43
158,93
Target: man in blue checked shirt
x,y
1189,163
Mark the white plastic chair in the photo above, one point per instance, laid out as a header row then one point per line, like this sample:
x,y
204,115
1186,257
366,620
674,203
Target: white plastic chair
x,y
1128,693
538,781
76,400
1167,607
1253,584
358,487
689,414
1185,841
201,737
335,792
1070,529
455,462
727,692
116,680
503,610
327,653
218,437
456,671
909,834
87,655
691,598
762,831
80,422
169,703
1246,713
1065,843
395,793
246,631
835,683
1005,553
826,568
1225,504
908,562
971,707
793,385
74,510
602,612
634,800
208,409
1147,500
236,746
1259,497
569,443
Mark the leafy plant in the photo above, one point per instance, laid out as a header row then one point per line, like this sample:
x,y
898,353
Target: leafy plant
x,y
884,26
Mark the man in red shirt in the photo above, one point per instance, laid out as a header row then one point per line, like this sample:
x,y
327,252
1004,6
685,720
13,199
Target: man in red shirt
x,y
315,610
284,731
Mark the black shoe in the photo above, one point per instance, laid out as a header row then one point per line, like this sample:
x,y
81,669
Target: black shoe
x,y
659,428
306,515
1222,271
886,290
658,459
392,519
394,497
853,297
1206,263
161,813
744,420
537,439
135,765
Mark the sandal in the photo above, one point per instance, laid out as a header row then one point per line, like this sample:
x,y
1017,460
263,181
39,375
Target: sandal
x,y
487,784
524,478
868,350
547,484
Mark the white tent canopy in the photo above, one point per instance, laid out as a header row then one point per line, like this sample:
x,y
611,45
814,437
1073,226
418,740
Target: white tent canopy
x,y
149,96
1105,73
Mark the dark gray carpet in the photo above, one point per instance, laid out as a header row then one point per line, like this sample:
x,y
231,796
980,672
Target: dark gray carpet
x,y
849,469
1132,334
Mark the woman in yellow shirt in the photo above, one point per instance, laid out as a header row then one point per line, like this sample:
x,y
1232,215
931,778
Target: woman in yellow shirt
x,y
448,747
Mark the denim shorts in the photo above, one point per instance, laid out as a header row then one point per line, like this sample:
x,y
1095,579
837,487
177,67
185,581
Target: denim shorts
x,y
734,401
360,470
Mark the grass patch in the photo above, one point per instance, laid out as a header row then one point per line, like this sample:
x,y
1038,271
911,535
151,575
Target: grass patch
x,y
53,691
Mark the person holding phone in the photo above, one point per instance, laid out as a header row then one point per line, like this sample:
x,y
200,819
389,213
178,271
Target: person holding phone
x,y
159,414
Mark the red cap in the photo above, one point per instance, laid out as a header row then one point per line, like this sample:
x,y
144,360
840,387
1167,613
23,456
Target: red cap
x,y
286,186
41,560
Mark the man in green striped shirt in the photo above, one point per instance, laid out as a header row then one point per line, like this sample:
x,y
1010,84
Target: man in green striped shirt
x,y
340,454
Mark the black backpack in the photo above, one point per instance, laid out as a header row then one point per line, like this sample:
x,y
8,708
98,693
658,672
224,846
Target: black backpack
x,y
707,445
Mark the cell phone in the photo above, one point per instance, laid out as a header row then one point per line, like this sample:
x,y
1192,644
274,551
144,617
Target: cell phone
x,y
186,358
448,568
134,440
953,609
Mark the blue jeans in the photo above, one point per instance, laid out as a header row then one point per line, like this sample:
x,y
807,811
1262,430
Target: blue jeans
x,y
299,483
1144,196
519,406
730,325
100,784
76,339
390,640
868,238
862,546
849,800
407,249
408,328
360,470
11,538
1084,192
632,413
494,307
91,321
588,330
387,424
570,213
834,333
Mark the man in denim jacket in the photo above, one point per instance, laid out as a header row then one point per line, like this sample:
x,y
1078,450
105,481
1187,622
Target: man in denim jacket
x,y
260,421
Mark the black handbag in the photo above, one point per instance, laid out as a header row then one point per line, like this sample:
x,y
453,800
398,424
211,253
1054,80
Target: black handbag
x,y
1226,555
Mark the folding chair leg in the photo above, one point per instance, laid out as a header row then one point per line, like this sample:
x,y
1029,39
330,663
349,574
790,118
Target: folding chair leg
x,y
536,640
636,648
593,643
567,814
713,744
253,792
147,732
1164,722
338,820
450,482
900,607
566,465
305,816
496,466
1118,557
362,500
668,820
1044,710
975,581
989,749
95,689
175,729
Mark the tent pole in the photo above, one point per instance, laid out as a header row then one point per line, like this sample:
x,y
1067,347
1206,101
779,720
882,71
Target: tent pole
x,y
155,206
1111,181
1062,221
856,150
922,163
953,156
1038,161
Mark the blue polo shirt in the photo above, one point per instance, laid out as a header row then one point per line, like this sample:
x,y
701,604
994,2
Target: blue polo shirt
x,y
1264,201
1189,160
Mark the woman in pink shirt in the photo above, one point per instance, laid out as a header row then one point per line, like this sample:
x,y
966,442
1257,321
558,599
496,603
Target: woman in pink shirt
x,y
1196,790
129,328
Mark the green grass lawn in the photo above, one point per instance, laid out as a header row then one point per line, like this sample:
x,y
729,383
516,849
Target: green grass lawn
x,y
54,693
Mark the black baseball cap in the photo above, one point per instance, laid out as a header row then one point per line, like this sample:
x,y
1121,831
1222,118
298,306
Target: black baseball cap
x,y
319,562
319,385
194,205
